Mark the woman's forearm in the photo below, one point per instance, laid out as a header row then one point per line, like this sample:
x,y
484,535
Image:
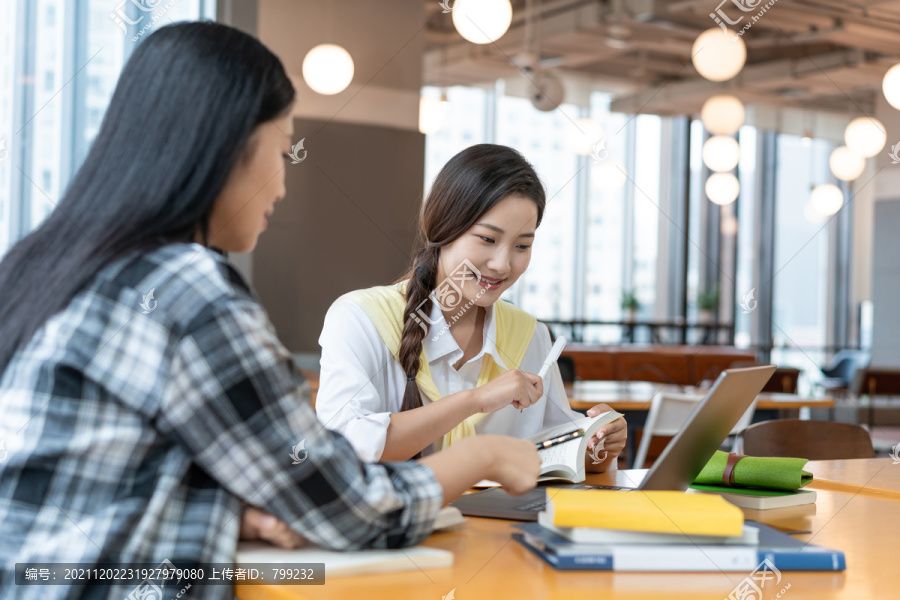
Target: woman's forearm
x,y
460,467
413,430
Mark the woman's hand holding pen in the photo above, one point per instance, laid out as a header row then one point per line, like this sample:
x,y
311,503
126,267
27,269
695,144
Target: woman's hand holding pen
x,y
514,387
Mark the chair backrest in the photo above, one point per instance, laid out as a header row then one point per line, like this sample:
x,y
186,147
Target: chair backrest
x,y
784,380
667,415
815,440
566,366
845,364
877,382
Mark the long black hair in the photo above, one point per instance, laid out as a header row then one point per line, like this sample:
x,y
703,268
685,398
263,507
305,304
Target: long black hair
x,y
179,120
467,187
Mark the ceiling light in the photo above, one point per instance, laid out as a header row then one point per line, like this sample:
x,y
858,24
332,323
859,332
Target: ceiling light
x,y
722,115
722,188
845,164
721,153
865,136
482,21
891,86
827,199
328,69
718,55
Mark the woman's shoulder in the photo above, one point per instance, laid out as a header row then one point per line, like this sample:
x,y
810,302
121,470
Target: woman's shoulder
x,y
183,280
379,294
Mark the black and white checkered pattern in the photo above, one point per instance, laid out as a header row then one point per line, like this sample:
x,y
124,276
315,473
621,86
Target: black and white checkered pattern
x,y
134,436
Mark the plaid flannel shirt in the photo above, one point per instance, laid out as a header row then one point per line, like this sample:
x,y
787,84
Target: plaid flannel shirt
x,y
135,424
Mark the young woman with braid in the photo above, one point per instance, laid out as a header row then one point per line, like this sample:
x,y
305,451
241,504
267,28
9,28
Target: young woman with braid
x,y
436,358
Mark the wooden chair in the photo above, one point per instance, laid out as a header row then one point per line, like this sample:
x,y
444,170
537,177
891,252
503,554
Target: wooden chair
x,y
566,366
877,383
783,380
815,440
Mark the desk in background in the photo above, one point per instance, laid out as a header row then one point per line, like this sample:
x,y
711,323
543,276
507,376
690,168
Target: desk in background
x,y
632,398
490,565
636,396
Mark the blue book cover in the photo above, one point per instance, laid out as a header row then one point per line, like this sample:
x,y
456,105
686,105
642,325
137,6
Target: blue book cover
x,y
777,549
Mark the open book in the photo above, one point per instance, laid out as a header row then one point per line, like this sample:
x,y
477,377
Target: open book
x,y
566,461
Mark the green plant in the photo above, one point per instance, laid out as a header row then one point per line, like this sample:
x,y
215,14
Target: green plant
x,y
708,299
629,300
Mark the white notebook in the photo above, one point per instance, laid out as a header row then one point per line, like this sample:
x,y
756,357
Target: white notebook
x,y
347,563
359,561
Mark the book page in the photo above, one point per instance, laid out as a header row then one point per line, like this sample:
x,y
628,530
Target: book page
x,y
589,424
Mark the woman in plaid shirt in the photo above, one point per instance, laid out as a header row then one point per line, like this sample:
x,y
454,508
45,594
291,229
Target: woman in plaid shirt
x,y
145,398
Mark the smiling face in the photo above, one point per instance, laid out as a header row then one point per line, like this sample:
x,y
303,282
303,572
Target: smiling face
x,y
253,187
498,245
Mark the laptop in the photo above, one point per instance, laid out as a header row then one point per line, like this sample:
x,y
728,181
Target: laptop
x,y
680,463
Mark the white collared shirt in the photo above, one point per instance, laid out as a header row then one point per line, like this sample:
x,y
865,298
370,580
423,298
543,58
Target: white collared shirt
x,y
361,384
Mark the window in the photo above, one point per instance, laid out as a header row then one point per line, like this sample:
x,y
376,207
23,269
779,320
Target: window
x,y
547,287
605,265
646,211
465,110
799,311
746,289
600,237
50,106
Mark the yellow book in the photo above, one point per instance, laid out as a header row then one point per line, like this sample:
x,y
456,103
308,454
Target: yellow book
x,y
661,512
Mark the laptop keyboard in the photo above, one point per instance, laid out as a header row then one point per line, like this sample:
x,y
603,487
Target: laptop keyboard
x,y
532,506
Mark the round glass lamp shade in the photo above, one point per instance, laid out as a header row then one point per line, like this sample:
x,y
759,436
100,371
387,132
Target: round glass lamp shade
x,y
722,115
845,164
890,85
328,69
827,199
721,153
865,136
584,136
718,55
482,21
722,188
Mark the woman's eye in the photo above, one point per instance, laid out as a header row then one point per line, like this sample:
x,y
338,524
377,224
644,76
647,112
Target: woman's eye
x,y
487,239
524,247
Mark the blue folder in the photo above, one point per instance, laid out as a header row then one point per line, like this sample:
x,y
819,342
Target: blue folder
x,y
781,550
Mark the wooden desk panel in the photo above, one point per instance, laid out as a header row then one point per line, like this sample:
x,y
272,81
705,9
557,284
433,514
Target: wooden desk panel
x,y
636,396
489,564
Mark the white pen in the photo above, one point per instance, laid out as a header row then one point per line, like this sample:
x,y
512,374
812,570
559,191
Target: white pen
x,y
551,359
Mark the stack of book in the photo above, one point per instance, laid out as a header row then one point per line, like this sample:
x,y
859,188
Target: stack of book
x,y
661,531
759,483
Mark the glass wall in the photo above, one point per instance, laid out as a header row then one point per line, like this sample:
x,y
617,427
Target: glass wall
x,y
801,270
602,236
59,62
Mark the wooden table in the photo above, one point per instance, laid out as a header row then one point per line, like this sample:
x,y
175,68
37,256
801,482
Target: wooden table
x,y
871,477
636,396
489,564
